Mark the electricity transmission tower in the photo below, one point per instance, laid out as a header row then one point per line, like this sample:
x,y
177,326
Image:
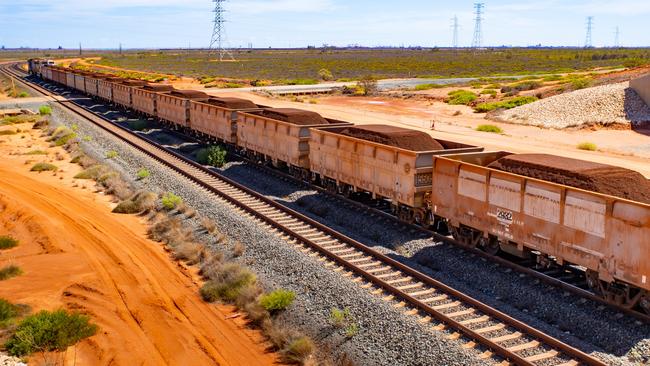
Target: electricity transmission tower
x,y
219,31
477,42
455,27
590,24
617,38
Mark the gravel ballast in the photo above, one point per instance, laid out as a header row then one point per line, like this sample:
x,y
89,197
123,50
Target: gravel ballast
x,y
386,336
591,327
606,105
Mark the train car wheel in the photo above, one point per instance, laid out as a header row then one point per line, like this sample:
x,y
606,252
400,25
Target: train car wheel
x,y
492,246
593,282
644,303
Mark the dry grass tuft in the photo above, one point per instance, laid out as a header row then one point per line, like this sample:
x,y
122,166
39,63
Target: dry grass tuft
x,y
238,249
190,252
209,225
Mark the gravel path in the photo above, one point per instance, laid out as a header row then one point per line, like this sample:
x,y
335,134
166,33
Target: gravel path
x,y
602,105
386,336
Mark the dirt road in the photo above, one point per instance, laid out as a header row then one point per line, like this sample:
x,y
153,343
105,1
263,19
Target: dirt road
x,y
75,254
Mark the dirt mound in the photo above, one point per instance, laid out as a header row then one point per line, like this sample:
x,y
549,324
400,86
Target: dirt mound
x,y
394,136
295,116
232,103
596,177
158,87
189,94
134,83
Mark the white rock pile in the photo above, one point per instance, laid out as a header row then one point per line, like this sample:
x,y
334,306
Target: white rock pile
x,y
602,105
10,361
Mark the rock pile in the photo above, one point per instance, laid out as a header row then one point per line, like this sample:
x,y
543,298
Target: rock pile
x,y
10,361
607,105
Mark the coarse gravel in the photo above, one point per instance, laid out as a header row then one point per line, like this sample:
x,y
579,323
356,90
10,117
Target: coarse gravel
x,y
6,360
606,105
386,336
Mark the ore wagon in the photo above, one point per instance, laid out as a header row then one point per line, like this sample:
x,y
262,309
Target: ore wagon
x,y
144,99
122,91
47,73
280,136
216,118
105,87
80,81
69,78
390,163
92,83
174,107
498,210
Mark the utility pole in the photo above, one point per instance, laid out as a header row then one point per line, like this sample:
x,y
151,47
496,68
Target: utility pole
x,y
477,42
120,49
455,27
219,30
80,49
617,40
590,24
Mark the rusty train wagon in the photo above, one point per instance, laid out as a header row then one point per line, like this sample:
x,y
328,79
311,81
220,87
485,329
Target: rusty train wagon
x,y
144,99
498,210
122,91
80,81
216,118
280,136
105,88
174,107
92,83
347,164
69,78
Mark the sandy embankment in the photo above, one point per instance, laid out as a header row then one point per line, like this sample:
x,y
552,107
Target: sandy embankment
x,y
77,255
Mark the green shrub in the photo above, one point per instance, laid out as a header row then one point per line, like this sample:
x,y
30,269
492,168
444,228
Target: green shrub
x,y
298,350
489,128
36,152
461,97
170,201
7,242
227,282
140,202
302,82
74,127
94,172
212,155
87,138
429,86
64,139
8,312
580,83
588,146
23,95
42,167
552,78
45,110
111,154
49,331
325,74
339,318
233,85
10,271
143,174
277,300
506,104
491,92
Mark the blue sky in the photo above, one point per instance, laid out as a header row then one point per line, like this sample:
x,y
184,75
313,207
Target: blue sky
x,y
298,23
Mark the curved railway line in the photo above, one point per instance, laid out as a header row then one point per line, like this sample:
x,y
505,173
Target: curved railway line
x,y
505,338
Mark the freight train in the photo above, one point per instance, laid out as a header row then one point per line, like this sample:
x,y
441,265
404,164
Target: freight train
x,y
554,217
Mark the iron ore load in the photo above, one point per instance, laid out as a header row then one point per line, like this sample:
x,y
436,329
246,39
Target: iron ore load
x,y
545,207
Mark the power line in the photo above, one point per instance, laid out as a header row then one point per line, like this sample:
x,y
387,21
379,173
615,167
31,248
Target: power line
x,y
219,30
617,40
455,27
590,25
477,42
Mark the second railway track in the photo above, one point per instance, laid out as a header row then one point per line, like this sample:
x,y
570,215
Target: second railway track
x,y
504,337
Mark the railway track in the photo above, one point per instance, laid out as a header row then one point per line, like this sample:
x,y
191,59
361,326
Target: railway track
x,y
503,337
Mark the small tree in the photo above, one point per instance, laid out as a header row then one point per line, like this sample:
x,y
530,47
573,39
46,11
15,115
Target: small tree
x,y
368,84
325,75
